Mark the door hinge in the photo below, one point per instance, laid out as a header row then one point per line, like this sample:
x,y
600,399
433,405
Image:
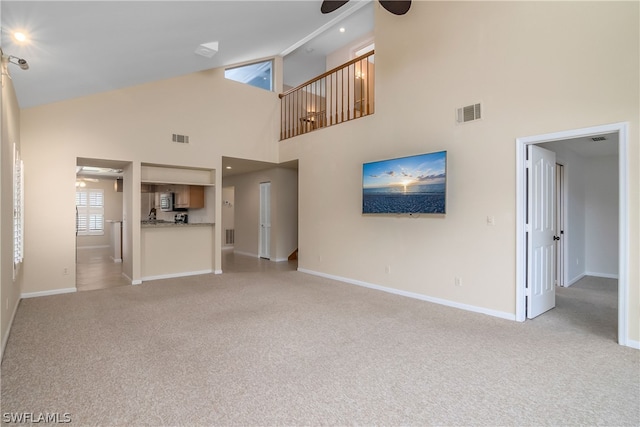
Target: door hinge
x,y
527,228
527,164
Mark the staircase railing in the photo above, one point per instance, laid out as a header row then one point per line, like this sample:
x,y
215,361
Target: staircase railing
x,y
339,95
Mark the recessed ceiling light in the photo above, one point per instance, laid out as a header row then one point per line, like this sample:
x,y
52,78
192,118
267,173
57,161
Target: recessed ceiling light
x,y
342,30
20,37
229,167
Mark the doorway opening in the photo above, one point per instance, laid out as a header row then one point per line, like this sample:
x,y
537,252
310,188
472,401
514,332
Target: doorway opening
x,y
99,224
523,252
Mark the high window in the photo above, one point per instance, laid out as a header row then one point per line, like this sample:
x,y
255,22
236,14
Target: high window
x,y
259,74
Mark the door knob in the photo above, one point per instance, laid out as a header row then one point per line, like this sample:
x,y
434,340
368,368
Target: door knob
x,y
556,237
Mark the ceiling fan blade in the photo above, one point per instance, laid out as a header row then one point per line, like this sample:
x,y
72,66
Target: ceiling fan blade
x,y
329,6
397,7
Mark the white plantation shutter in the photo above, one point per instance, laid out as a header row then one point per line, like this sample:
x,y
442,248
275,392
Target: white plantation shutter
x,y
18,209
90,212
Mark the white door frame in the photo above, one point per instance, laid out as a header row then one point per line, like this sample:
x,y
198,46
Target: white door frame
x,y
264,233
562,225
623,227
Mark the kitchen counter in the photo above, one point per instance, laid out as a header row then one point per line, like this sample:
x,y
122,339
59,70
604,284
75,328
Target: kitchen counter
x,y
173,250
160,224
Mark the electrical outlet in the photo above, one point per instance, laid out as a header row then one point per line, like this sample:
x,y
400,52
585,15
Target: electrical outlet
x,y
387,269
65,271
458,281
491,220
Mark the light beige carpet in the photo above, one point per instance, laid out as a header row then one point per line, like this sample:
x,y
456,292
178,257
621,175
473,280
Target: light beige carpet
x,y
285,348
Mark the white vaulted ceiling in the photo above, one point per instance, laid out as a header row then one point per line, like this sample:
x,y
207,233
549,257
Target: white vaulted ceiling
x,y
79,48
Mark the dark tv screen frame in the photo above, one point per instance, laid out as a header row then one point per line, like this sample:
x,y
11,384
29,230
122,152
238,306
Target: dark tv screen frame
x,y
406,185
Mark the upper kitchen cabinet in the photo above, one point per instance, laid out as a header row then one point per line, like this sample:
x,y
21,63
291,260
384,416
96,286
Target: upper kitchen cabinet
x,y
189,196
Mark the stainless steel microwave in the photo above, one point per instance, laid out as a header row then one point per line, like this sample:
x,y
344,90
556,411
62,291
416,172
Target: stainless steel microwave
x,y
166,202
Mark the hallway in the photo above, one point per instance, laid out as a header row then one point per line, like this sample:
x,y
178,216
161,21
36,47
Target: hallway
x,y
96,270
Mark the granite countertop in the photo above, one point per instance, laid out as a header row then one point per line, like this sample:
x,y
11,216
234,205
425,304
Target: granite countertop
x,y
158,224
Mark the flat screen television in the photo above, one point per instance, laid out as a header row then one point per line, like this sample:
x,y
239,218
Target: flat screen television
x,y
406,185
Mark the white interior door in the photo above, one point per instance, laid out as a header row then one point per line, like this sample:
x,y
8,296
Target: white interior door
x,y
542,235
265,220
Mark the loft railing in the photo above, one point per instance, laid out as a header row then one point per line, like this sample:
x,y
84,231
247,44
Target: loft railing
x,y
339,95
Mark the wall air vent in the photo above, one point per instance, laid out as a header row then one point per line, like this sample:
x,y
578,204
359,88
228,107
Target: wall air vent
x,y
598,138
468,113
182,139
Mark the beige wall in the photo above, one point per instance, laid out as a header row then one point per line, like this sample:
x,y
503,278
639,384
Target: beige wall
x,y
284,211
132,125
10,287
537,68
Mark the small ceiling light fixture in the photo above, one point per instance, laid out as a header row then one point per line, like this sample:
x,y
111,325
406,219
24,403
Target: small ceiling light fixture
x,y
207,49
22,63
342,29
20,37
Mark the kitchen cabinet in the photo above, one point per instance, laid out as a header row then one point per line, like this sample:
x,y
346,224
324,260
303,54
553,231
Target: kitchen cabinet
x,y
189,196
186,196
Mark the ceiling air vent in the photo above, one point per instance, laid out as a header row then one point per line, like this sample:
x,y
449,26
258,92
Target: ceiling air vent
x,y
182,139
598,138
468,113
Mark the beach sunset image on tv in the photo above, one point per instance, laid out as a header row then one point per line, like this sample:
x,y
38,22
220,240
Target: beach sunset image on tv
x,y
406,185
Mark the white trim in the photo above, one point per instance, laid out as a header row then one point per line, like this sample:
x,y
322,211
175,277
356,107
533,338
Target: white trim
x,y
6,337
217,272
574,280
466,307
174,275
623,230
133,282
633,344
116,260
246,254
279,259
603,275
92,247
345,12
48,293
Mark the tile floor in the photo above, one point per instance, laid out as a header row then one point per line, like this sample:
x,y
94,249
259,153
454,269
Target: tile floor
x,y
96,270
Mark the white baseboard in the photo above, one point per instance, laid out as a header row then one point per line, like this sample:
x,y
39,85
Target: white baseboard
x,y
574,280
133,282
467,307
217,272
633,344
280,259
603,275
174,275
227,248
93,247
246,254
48,293
6,337
116,260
